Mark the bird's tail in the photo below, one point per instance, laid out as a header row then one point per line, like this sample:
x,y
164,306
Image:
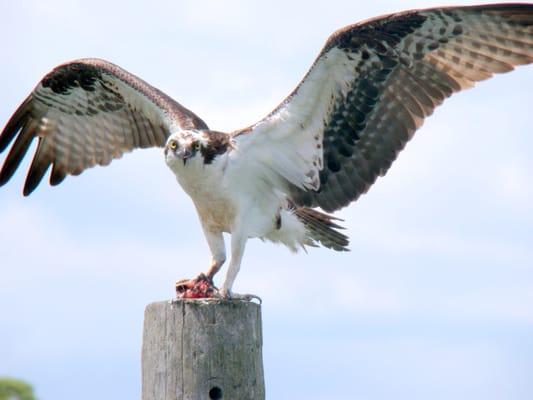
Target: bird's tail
x,y
321,228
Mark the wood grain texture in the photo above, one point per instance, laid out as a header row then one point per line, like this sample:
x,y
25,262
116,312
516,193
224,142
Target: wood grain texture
x,y
197,350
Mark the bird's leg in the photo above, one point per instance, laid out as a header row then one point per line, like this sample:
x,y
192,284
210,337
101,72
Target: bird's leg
x,y
215,240
238,243
202,286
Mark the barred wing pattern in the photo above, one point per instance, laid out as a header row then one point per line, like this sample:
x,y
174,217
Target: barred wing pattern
x,y
371,88
86,113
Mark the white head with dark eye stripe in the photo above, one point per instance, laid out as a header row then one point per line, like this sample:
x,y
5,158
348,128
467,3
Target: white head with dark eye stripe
x,y
185,146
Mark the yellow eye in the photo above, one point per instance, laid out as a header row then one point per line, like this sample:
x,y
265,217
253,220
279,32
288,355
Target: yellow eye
x,y
197,146
173,145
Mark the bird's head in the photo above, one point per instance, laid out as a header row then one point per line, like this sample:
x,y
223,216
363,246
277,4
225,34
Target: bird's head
x,y
184,145
187,146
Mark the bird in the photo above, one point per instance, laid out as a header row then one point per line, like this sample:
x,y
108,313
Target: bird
x,y
281,179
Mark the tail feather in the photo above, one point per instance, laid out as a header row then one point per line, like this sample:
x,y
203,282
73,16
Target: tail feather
x,y
321,228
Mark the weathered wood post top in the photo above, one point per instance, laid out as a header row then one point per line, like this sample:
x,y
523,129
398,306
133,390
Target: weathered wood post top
x,y
202,350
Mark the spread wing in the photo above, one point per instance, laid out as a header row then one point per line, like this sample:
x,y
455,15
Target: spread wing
x,y
370,89
84,113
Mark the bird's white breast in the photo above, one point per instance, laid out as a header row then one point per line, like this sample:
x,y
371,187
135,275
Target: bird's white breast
x,y
206,184
225,194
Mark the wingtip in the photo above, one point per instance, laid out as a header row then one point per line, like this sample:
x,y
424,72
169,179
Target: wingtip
x,y
3,179
5,174
14,124
57,176
29,186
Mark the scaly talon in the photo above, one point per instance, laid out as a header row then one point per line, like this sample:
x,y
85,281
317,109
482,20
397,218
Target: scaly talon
x,y
229,295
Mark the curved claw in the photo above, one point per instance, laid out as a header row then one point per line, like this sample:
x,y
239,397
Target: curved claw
x,y
250,297
229,295
202,287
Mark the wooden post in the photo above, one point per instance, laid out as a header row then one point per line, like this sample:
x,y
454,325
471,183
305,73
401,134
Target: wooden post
x,y
202,350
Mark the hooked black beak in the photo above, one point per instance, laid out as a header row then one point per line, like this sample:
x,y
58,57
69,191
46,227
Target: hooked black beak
x,y
184,154
179,151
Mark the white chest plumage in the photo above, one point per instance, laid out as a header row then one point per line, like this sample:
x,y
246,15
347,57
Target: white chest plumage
x,y
228,199
207,186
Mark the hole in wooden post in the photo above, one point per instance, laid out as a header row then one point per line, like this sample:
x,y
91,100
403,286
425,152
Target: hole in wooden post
x,y
215,393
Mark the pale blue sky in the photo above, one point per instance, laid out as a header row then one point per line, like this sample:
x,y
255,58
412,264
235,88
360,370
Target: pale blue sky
x,y
435,300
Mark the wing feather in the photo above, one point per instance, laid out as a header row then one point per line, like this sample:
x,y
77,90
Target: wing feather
x,y
40,164
371,88
85,113
18,151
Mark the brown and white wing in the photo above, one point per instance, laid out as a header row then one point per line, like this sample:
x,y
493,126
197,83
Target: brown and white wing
x,y
88,112
371,88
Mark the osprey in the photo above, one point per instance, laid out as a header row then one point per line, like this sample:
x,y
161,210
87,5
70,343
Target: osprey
x,y
366,94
